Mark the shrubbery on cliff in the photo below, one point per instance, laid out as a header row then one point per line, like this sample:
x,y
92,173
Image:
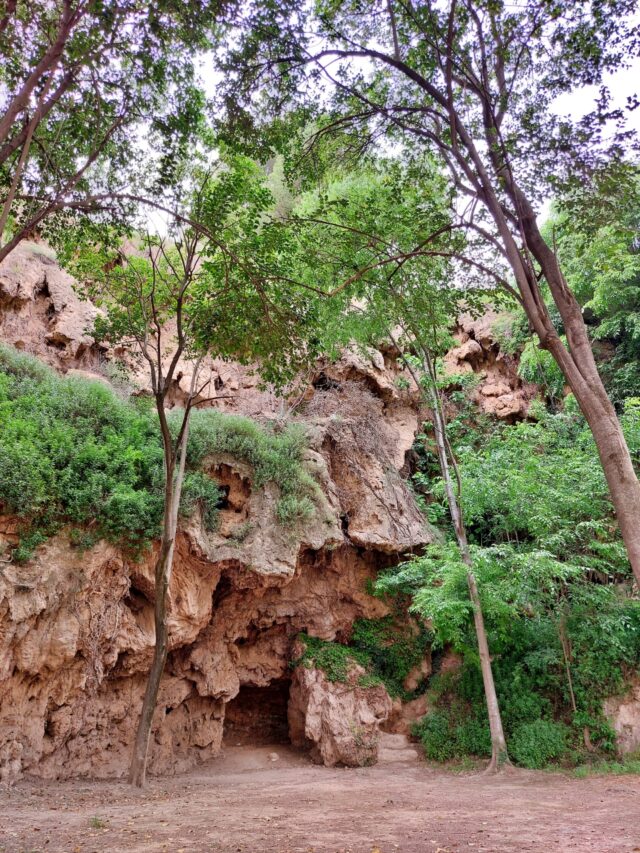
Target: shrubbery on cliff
x,y
74,453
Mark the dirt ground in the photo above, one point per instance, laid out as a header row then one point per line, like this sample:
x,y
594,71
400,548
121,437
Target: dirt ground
x,y
246,802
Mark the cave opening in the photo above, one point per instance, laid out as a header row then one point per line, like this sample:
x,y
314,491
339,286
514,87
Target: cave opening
x,y
257,716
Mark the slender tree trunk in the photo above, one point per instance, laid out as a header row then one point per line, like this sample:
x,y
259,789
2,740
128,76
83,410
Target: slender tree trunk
x,y
164,565
566,653
576,362
499,752
138,768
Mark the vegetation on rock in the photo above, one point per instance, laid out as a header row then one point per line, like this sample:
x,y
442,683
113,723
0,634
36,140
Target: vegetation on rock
x,y
72,452
388,649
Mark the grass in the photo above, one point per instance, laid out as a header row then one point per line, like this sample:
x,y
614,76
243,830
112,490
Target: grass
x,y
74,453
627,765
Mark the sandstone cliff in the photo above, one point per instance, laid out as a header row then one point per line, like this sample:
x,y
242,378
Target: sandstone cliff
x,y
76,627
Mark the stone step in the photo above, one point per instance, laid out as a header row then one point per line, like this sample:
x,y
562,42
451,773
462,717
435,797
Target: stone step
x,y
393,741
397,756
396,749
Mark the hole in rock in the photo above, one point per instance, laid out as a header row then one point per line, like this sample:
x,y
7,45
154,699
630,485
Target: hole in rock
x,y
56,343
325,383
135,599
257,716
223,590
235,493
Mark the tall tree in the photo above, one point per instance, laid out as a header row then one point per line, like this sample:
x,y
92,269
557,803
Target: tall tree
x,y
398,292
474,81
202,290
98,99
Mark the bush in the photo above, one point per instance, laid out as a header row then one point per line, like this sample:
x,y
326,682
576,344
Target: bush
x,y
436,736
274,457
72,451
333,659
535,744
393,648
386,649
200,490
473,737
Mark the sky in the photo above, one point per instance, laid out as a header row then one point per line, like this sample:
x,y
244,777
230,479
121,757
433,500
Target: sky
x,y
578,103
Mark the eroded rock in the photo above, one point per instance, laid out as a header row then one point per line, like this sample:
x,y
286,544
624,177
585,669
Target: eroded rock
x,y
499,390
40,312
77,628
623,713
339,721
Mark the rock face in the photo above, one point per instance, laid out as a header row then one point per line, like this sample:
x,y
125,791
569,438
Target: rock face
x,y
77,636
623,713
499,391
76,627
40,312
340,722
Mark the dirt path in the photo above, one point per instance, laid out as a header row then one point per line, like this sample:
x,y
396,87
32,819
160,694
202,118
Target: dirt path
x,y
245,803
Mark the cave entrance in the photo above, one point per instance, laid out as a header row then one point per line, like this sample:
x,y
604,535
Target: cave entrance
x,y
257,716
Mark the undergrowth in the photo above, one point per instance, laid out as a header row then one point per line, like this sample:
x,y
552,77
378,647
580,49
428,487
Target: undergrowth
x,y
72,452
557,594
387,649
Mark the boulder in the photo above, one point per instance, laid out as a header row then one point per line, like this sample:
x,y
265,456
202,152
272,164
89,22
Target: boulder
x,y
339,721
623,713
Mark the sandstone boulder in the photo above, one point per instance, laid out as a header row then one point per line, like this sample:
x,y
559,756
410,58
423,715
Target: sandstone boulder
x,y
623,713
340,722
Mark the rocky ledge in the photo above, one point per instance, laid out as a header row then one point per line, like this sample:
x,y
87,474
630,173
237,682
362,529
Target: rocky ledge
x,y
76,627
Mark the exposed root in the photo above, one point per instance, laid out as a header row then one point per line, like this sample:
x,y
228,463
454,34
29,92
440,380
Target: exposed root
x,y
499,764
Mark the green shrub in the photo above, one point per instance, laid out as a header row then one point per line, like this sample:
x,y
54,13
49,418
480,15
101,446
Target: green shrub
x,y
273,456
334,659
539,366
393,647
436,736
473,736
535,744
386,648
72,451
200,490
292,509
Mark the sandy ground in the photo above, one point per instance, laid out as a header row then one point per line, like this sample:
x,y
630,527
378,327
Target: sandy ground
x,y
245,802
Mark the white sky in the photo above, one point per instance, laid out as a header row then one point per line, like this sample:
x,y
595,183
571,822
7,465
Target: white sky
x,y
578,103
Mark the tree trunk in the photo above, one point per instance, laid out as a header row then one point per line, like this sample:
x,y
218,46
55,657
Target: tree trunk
x,y
499,753
576,362
164,565
138,768
581,372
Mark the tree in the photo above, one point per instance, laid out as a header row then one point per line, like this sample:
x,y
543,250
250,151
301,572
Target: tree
x,y
473,81
367,221
601,262
99,100
560,611
201,290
